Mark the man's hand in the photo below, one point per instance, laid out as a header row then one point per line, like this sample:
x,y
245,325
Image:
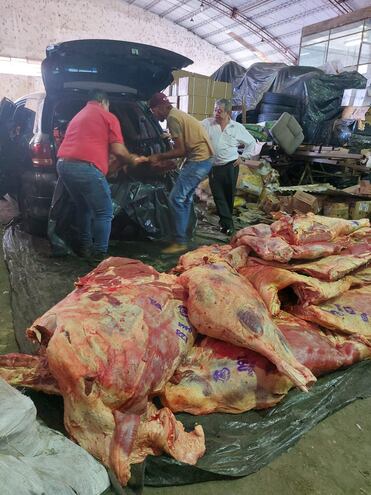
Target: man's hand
x,y
239,161
137,160
154,159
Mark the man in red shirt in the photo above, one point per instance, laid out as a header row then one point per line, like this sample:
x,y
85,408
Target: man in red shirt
x,y
83,160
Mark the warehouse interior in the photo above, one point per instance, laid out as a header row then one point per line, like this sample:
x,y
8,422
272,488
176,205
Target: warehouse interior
x,y
185,262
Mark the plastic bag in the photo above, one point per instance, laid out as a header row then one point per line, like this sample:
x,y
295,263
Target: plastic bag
x,y
32,455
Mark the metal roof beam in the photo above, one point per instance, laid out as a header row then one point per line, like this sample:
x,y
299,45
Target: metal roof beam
x,y
151,4
172,8
253,27
276,9
341,6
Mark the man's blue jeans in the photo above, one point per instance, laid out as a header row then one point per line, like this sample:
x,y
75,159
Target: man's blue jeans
x,y
89,190
181,195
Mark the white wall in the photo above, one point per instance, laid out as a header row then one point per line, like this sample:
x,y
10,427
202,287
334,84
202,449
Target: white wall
x,y
28,26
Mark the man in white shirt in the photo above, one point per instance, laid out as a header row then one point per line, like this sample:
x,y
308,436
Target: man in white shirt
x,y
226,136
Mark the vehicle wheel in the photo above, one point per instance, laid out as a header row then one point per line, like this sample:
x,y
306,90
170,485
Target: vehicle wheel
x,y
32,225
280,99
270,108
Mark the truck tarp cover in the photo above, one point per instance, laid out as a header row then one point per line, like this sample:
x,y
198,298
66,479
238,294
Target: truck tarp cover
x,y
236,445
257,80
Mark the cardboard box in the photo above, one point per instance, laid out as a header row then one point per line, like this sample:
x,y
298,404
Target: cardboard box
x,y
364,187
337,210
219,90
199,116
304,203
360,209
348,98
195,86
355,113
200,105
285,203
362,98
268,202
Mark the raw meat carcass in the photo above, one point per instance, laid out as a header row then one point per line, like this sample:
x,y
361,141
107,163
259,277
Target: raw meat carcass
x,y
220,377
315,250
310,228
270,281
25,370
334,267
236,257
268,248
223,305
114,342
349,313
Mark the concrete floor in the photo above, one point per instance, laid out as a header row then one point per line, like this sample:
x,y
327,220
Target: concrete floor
x,y
333,459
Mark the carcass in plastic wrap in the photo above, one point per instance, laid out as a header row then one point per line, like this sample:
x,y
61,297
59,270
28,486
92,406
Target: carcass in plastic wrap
x,y
220,377
224,305
114,342
349,313
268,281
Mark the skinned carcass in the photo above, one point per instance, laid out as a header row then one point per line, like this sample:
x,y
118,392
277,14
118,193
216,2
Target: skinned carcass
x,y
236,257
268,248
334,267
310,228
221,377
269,281
224,305
348,313
113,343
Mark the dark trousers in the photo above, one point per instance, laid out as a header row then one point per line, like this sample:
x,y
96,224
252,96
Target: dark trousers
x,y
223,180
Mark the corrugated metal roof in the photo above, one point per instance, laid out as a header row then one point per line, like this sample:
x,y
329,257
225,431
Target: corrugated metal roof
x,y
250,31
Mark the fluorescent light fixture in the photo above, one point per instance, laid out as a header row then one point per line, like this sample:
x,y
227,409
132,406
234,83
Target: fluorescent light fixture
x,y
20,66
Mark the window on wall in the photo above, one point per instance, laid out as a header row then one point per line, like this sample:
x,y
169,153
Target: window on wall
x,y
365,56
350,45
314,55
345,49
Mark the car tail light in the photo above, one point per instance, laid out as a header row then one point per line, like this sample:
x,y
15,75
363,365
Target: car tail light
x,y
41,154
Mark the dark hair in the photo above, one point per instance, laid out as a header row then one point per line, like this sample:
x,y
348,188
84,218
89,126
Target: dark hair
x,y
98,95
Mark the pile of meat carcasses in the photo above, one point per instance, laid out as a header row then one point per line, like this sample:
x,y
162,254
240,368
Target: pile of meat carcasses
x,y
234,327
303,281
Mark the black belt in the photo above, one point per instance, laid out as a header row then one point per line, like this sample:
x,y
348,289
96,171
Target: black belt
x,y
75,160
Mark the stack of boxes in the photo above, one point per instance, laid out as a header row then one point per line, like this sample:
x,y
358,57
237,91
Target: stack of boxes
x,y
357,104
196,94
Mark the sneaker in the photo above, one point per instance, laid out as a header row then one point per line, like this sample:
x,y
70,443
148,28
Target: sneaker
x,y
175,248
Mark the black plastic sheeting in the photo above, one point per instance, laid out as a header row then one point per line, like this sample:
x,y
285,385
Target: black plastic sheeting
x,y
257,80
231,72
324,93
236,445
141,211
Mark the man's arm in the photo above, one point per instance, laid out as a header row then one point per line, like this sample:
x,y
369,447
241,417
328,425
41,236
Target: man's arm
x,y
122,154
179,149
177,152
245,138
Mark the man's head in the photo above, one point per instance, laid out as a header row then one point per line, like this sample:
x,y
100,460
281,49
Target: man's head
x,y
160,106
99,96
222,110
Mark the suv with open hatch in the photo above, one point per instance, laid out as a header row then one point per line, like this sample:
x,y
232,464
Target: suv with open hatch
x,y
33,127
